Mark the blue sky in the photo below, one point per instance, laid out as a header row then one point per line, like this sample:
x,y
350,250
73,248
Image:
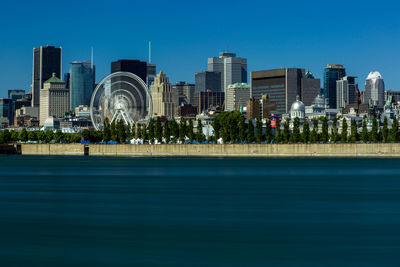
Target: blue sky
x,y
362,35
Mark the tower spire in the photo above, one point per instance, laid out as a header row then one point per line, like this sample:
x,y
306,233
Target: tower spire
x,y
149,52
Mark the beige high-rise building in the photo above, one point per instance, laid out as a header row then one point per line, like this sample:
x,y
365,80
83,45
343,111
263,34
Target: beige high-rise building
x,y
54,99
165,99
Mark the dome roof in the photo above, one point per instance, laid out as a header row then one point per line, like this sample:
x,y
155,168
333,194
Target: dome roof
x,y
319,100
298,106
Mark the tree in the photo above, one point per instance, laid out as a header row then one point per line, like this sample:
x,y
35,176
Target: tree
x,y
324,133
190,132
113,131
139,131
128,131
334,131
314,132
286,131
394,131
23,135
199,134
296,137
268,131
364,132
59,136
174,131
250,132
32,136
86,134
374,135
133,131
42,136
145,136
158,130
5,136
107,131
182,130
217,128
49,136
167,132
259,133
278,131
385,130
343,136
121,133
354,132
305,136
14,135
150,130
242,130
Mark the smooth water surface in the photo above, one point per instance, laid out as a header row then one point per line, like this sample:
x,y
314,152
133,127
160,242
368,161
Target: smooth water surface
x,y
88,211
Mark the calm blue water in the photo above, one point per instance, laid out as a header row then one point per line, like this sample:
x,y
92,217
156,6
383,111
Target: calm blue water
x,y
86,211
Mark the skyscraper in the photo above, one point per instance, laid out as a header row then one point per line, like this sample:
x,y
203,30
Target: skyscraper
x,y
133,66
237,96
375,89
185,92
81,85
208,80
233,69
54,99
165,99
46,61
151,75
332,73
346,92
14,95
281,85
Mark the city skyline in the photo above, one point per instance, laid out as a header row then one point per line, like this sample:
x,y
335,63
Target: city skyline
x,y
305,38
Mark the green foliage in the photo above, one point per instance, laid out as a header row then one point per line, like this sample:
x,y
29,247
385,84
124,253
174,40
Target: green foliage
x,y
107,131
343,137
133,131
296,137
250,132
14,136
145,136
226,125
394,131
128,131
324,133
86,134
49,136
242,130
174,131
268,131
354,132
305,135
314,138
58,136
278,138
150,130
286,131
139,131
113,131
385,130
167,132
32,136
42,136
199,134
334,131
23,135
259,133
374,135
182,130
190,131
364,132
158,130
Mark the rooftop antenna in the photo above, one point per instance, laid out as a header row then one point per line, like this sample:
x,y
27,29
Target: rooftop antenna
x,y
149,52
91,57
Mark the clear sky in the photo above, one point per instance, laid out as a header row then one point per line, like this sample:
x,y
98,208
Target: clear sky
x,y
362,35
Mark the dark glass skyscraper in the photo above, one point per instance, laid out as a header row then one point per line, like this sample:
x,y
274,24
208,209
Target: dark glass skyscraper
x,y
332,73
208,80
133,66
81,84
46,61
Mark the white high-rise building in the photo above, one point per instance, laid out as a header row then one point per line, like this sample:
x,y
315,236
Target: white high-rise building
x,y
233,69
346,92
375,89
237,96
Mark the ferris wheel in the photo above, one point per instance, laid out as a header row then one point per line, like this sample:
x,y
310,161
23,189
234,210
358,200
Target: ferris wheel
x,y
120,96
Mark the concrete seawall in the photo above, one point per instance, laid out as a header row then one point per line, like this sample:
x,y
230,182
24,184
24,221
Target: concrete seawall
x,y
213,150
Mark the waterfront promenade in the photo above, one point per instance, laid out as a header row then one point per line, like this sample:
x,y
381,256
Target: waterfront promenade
x,y
215,150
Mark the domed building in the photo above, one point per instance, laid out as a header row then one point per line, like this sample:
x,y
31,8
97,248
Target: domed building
x,y
298,109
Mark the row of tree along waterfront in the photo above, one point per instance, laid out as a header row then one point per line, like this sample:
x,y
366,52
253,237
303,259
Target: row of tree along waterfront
x,y
230,127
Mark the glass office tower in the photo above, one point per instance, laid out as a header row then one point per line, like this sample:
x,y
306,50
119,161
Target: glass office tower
x,y
81,84
332,73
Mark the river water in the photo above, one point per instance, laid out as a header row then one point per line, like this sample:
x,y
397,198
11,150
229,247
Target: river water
x,y
88,211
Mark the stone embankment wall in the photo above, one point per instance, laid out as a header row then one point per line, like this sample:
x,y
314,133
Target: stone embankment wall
x,y
214,150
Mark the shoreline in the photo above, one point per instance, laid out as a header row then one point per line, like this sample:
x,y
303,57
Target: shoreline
x,y
373,150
